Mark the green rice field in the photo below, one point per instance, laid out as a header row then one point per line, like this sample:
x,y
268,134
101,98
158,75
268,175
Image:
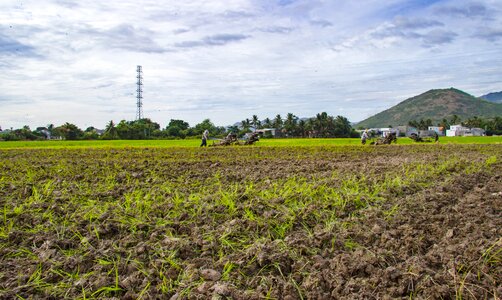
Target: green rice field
x,y
262,142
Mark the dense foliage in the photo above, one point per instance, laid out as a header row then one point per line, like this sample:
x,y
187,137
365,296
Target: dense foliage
x,y
322,125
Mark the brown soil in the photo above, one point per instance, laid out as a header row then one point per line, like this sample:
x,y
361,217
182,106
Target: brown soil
x,y
422,241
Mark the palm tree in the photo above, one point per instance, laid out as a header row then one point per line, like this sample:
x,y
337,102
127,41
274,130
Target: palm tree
x,y
267,123
497,123
342,127
245,124
233,129
278,122
330,127
290,123
302,127
110,131
321,123
255,122
50,128
455,120
474,122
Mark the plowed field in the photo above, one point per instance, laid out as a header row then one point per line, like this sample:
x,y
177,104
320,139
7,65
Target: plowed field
x,y
335,222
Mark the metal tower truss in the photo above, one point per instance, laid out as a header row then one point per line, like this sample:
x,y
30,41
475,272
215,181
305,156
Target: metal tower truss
x,y
139,95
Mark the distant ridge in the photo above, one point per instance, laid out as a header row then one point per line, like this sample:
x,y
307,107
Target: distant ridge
x,y
435,105
493,97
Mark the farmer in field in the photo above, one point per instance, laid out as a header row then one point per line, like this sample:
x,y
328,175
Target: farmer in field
x,y
231,137
364,136
205,135
252,138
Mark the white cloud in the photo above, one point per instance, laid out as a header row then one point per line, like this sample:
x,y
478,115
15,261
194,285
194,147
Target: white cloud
x,y
75,61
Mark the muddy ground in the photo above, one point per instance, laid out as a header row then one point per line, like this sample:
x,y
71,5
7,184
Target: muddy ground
x,y
390,222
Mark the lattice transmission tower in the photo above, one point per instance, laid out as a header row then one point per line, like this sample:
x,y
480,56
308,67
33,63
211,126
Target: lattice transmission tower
x,y
139,95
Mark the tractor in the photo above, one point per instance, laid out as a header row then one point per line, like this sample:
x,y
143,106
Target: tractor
x,y
231,139
391,137
425,137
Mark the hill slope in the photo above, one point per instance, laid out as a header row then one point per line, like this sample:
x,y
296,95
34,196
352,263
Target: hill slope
x,y
435,105
493,97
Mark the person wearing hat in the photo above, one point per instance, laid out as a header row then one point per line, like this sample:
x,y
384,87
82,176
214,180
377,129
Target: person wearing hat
x,y
364,136
205,135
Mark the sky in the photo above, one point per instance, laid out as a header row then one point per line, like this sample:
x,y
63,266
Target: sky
x,y
226,60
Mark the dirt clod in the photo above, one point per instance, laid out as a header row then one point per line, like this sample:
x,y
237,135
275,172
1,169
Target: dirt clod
x,y
211,275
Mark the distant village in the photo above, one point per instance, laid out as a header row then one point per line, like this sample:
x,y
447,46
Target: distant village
x,y
408,131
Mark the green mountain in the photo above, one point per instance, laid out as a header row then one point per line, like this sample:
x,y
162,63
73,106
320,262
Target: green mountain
x,y
435,105
493,97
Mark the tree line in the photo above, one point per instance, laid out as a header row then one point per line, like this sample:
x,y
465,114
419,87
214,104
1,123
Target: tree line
x,y
491,126
322,125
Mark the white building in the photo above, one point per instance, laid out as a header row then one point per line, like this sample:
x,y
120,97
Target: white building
x,y
407,130
459,130
265,131
456,130
476,132
387,131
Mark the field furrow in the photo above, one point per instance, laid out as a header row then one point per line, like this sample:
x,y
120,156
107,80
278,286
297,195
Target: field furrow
x,y
401,221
